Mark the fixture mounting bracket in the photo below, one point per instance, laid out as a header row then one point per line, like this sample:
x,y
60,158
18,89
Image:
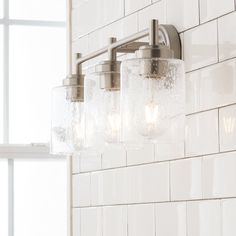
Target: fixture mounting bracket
x,y
164,42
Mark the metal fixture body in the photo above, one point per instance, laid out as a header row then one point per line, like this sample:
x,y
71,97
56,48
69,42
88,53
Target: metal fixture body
x,y
164,42
75,84
68,132
75,88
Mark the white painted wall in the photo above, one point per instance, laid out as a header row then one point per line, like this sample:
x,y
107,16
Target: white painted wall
x,y
189,192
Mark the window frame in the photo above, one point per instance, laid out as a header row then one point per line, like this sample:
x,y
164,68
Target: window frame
x,y
9,151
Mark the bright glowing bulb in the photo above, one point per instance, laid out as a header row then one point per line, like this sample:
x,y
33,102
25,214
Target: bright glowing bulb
x,y
112,116
151,113
114,122
113,126
152,120
75,131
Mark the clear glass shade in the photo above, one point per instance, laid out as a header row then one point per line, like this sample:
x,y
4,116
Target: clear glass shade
x,y
102,115
152,101
68,122
149,107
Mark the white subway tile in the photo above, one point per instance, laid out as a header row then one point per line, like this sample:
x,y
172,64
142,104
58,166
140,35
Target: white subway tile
x,y
75,164
76,221
81,190
202,133
200,46
90,162
134,5
171,219
96,188
186,179
115,186
204,218
183,14
111,10
155,11
219,175
97,39
91,221
211,87
218,85
81,45
92,14
109,187
227,36
82,22
130,25
210,9
124,27
113,157
169,151
148,183
143,155
228,128
115,221
229,217
141,220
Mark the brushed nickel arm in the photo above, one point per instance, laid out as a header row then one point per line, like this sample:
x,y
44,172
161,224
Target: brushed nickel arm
x,y
164,42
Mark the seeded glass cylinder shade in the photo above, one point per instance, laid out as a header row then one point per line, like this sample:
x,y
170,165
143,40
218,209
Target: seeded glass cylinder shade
x,y
68,121
152,101
112,120
93,97
102,115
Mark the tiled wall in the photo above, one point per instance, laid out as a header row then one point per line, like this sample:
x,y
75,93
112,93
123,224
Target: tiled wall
x,y
166,191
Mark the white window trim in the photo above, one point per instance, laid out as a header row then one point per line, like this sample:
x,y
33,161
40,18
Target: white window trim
x,y
33,151
12,152
26,151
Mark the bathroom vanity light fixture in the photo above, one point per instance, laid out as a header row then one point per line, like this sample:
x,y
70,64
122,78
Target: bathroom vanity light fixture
x,y
140,100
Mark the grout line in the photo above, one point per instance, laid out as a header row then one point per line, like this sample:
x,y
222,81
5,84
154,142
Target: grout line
x,y
212,64
102,220
169,181
80,223
203,23
186,222
183,31
102,164
157,162
90,189
156,202
202,178
221,217
155,218
218,116
210,109
217,40
112,22
199,12
124,8
127,220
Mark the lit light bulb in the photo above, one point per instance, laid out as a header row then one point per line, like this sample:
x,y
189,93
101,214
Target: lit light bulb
x,y
149,122
151,114
76,129
113,126
152,120
112,117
